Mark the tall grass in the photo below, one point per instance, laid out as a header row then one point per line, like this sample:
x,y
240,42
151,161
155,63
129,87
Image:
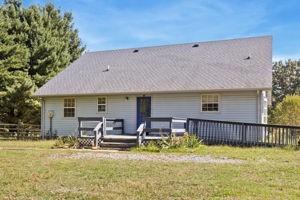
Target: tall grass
x,y
187,141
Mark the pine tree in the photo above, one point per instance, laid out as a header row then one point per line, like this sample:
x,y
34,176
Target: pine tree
x,y
35,44
52,41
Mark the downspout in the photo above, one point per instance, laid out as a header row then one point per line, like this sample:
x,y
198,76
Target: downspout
x,y
43,118
258,108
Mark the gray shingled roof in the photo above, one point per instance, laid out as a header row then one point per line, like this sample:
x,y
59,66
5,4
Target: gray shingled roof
x,y
212,66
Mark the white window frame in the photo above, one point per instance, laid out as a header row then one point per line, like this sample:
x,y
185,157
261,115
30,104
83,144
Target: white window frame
x,y
69,107
219,103
102,104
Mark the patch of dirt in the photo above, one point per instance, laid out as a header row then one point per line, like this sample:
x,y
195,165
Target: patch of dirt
x,y
147,157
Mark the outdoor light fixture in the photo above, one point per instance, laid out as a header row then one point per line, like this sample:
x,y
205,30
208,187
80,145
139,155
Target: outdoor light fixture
x,y
50,113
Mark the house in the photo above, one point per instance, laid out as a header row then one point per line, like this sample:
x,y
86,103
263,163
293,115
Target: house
x,y
222,80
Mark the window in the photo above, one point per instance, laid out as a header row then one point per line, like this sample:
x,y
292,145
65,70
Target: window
x,y
101,104
210,103
69,107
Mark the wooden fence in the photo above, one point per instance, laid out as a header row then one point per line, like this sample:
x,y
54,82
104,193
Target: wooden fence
x,y
20,131
245,134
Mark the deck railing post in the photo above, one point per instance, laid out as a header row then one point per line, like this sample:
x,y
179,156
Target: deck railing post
x,y
103,132
244,133
138,139
187,128
96,139
122,124
170,126
79,127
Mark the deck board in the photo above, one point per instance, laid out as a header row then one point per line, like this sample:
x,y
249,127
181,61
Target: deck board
x,y
132,137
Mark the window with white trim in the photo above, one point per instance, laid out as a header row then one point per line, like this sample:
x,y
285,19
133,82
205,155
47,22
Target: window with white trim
x,y
210,103
102,104
69,107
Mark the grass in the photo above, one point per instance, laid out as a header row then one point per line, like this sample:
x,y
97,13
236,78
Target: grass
x,y
27,172
45,144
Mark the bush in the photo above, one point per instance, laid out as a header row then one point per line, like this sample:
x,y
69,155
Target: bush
x,y
287,112
187,141
66,142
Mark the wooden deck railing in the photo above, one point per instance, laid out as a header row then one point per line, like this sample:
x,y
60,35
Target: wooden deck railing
x,y
115,125
160,126
165,125
20,131
96,128
245,134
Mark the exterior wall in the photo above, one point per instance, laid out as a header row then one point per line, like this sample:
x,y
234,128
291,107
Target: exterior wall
x,y
234,106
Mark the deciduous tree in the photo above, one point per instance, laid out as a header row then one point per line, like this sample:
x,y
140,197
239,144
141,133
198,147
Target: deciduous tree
x,y
288,111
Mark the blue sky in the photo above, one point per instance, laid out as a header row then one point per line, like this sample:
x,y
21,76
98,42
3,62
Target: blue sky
x,y
111,24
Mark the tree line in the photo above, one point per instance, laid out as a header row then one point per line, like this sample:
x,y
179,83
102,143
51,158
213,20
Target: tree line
x,y
38,42
285,107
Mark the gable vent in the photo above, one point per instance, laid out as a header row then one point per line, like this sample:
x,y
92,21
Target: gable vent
x,y
196,45
135,51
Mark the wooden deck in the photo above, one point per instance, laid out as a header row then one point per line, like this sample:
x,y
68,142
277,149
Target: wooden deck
x,y
110,132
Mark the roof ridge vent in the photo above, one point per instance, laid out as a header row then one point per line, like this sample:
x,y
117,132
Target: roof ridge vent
x,y
195,45
135,51
107,69
248,57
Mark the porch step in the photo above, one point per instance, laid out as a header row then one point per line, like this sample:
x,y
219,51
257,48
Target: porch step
x,y
120,140
117,145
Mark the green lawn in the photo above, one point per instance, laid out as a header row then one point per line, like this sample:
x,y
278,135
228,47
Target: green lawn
x,y
27,172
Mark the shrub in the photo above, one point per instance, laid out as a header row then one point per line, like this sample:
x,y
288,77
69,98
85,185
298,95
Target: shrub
x,y
287,112
152,146
187,141
66,142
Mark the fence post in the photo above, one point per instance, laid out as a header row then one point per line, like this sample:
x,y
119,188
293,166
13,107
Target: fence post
x,y
19,129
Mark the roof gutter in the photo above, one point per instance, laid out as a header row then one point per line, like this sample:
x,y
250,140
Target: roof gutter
x,y
155,92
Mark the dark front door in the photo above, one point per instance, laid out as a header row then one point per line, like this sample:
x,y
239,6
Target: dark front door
x,y
143,109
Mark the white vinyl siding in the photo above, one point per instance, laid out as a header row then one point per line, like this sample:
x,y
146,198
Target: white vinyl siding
x,y
234,106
